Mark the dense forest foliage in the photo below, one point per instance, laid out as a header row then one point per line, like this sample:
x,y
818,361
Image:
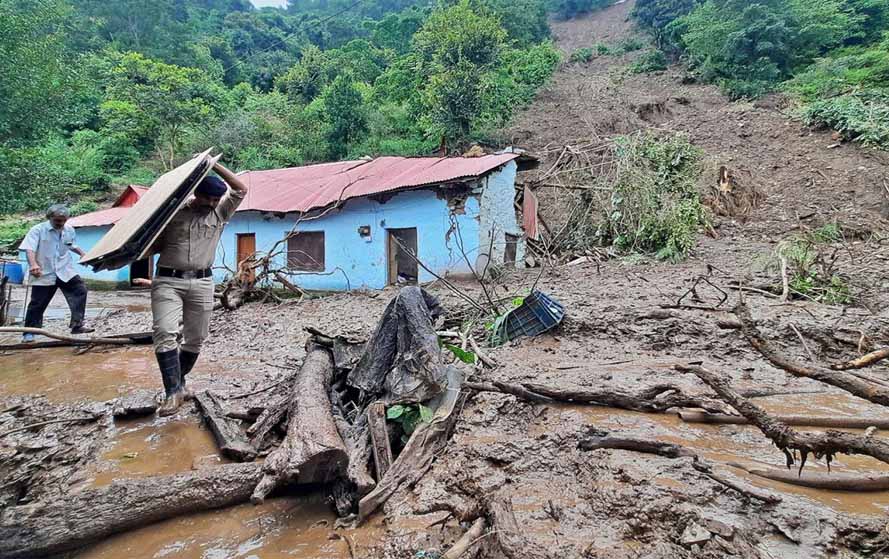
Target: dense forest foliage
x,y
832,55
101,92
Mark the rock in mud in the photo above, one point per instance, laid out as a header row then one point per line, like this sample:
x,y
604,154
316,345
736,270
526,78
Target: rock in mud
x,y
695,534
138,403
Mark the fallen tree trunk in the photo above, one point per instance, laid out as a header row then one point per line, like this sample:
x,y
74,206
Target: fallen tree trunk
x,y
795,420
818,480
231,440
64,340
270,418
655,399
823,444
863,361
49,529
845,381
312,451
420,451
667,450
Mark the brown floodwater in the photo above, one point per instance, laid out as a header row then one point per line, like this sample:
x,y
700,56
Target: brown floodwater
x,y
63,376
724,444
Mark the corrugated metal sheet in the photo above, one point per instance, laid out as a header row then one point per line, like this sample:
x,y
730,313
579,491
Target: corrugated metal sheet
x,y
131,238
301,189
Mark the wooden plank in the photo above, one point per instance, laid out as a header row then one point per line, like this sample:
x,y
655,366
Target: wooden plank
x,y
137,226
379,437
229,437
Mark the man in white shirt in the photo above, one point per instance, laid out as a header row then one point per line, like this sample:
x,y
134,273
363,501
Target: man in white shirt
x,y
49,246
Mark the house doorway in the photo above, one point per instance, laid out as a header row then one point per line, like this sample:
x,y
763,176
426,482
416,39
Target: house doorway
x,y
246,249
511,250
402,264
141,269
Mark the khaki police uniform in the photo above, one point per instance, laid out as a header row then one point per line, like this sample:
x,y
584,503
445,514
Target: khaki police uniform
x,y
188,247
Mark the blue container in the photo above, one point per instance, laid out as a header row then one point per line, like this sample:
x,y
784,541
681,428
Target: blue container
x,y
537,314
12,270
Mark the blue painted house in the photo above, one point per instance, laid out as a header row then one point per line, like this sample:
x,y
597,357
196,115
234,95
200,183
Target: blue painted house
x,y
362,224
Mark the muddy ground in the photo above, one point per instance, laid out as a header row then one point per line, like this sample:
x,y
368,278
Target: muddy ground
x,y
572,503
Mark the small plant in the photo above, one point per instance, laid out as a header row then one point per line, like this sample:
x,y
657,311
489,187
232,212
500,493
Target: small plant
x,y
582,55
811,266
408,416
602,49
653,61
629,44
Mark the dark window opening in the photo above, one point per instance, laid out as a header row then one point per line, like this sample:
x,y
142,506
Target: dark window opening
x,y
305,252
509,255
403,256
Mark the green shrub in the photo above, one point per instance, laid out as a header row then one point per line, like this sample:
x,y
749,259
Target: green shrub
x,y
83,207
811,271
629,44
648,203
13,230
584,54
860,116
602,49
652,61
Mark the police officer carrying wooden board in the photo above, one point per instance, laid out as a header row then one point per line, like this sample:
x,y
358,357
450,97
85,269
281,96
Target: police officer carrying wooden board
x,y
183,284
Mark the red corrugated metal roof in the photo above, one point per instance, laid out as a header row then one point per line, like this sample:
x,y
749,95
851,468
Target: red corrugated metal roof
x,y
301,189
110,216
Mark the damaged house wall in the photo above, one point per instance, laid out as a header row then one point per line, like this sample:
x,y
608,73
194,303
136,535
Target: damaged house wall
x,y
498,218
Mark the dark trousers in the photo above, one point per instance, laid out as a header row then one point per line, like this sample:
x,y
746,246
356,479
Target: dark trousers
x,y
74,292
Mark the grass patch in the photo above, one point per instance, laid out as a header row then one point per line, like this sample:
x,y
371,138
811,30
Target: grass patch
x,y
582,55
652,61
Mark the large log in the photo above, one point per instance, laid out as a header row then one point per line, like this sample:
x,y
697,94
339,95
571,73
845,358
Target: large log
x,y
654,399
312,450
865,481
49,529
231,439
838,422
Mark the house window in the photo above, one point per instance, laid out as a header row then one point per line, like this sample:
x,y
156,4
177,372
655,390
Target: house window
x,y
305,251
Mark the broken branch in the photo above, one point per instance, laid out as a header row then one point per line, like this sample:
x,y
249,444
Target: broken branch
x,y
827,444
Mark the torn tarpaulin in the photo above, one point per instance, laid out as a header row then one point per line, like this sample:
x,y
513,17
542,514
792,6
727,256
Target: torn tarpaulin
x,y
402,361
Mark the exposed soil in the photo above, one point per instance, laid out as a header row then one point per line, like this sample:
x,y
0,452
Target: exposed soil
x,y
571,503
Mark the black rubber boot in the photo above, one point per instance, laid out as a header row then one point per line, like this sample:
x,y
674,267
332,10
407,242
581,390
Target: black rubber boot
x,y
168,362
187,359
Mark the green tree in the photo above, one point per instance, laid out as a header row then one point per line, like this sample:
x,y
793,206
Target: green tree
x,y
38,74
457,47
155,104
305,80
345,116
